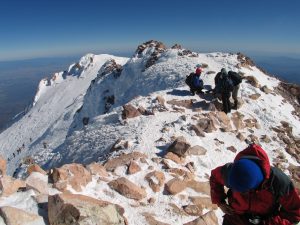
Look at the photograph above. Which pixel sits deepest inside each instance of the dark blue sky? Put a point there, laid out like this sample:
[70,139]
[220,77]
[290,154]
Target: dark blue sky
[39,28]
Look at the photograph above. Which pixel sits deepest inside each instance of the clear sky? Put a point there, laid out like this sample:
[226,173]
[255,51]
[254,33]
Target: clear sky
[40,28]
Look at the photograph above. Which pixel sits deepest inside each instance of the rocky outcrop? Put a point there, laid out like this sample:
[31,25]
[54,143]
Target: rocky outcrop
[127,188]
[73,174]
[110,67]
[129,112]
[70,209]
[244,61]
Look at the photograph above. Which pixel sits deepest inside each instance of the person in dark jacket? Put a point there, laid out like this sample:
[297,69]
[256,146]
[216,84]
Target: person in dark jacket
[223,88]
[236,79]
[196,82]
[258,193]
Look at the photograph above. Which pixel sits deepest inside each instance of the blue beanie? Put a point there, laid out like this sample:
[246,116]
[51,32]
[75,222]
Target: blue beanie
[244,175]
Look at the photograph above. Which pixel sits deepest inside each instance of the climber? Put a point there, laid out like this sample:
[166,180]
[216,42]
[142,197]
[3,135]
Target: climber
[236,79]
[258,193]
[195,82]
[223,88]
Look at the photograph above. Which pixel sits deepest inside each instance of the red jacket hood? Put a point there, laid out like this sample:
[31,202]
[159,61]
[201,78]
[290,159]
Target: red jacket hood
[256,153]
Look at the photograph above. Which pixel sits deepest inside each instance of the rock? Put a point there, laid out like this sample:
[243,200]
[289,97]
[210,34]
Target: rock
[70,209]
[196,150]
[193,210]
[205,202]
[129,112]
[151,201]
[252,80]
[265,138]
[217,104]
[182,103]
[38,182]
[181,173]
[73,174]
[224,120]
[14,216]
[237,120]
[176,46]
[2,166]
[254,96]
[160,100]
[151,220]
[175,186]
[156,180]
[198,130]
[35,168]
[127,188]
[207,219]
[232,148]
[207,125]
[253,138]
[201,187]
[175,158]
[10,185]
[133,168]
[266,89]
[123,159]
[179,146]
[241,137]
[97,169]
[191,167]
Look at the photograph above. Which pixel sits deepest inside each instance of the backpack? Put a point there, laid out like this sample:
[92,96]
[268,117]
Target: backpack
[235,77]
[189,79]
[226,85]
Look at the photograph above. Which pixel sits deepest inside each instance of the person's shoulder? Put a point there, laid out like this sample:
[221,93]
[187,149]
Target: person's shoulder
[280,182]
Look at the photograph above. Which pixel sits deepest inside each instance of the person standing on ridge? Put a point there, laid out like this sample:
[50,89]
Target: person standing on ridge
[224,87]
[236,79]
[258,193]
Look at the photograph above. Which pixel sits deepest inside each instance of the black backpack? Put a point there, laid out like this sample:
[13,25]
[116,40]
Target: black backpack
[226,85]
[189,79]
[235,77]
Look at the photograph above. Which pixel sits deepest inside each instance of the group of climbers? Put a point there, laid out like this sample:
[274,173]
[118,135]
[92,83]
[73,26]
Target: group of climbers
[256,192]
[226,84]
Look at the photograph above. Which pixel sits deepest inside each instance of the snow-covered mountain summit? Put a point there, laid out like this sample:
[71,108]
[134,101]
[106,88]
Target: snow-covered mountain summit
[124,109]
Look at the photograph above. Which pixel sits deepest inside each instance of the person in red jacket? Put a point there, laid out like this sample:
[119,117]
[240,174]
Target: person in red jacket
[257,194]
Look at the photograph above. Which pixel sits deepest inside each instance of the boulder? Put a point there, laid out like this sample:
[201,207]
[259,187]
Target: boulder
[156,180]
[205,202]
[70,209]
[241,137]
[193,210]
[175,158]
[38,182]
[2,166]
[179,146]
[10,185]
[175,186]
[129,112]
[151,219]
[122,160]
[198,130]
[127,188]
[73,174]
[254,96]
[97,169]
[207,125]
[14,216]
[200,187]
[232,148]
[133,168]
[196,150]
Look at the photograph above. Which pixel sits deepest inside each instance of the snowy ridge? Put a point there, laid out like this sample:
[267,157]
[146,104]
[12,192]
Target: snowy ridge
[99,86]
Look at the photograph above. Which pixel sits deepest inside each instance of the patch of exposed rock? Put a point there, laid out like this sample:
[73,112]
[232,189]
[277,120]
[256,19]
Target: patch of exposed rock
[179,146]
[129,111]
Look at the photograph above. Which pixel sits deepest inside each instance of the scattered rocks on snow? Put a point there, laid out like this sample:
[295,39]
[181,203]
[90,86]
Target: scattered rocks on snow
[127,188]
